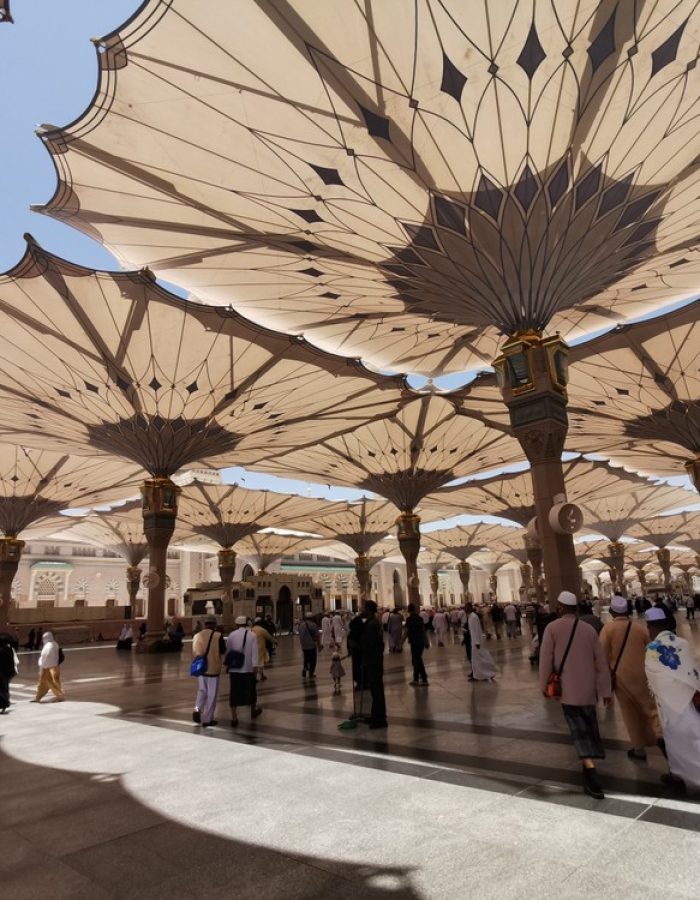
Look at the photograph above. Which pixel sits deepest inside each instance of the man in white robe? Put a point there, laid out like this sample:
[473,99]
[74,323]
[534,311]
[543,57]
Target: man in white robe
[441,625]
[483,666]
[674,680]
[338,630]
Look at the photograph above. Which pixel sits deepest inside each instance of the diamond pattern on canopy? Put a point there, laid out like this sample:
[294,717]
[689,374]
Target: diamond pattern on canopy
[635,393]
[109,362]
[405,456]
[614,516]
[227,513]
[464,540]
[37,484]
[360,525]
[401,182]
[511,495]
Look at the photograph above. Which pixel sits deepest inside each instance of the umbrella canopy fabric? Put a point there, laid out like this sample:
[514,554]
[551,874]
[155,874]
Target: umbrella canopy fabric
[635,393]
[405,456]
[36,485]
[225,514]
[360,525]
[510,495]
[120,531]
[101,362]
[464,540]
[614,516]
[405,183]
[682,528]
[265,547]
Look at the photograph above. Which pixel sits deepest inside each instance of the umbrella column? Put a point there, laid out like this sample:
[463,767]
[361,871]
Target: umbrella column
[534,556]
[408,533]
[664,558]
[464,571]
[616,564]
[532,375]
[434,585]
[10,555]
[159,497]
[362,573]
[641,575]
[526,578]
[227,571]
[133,583]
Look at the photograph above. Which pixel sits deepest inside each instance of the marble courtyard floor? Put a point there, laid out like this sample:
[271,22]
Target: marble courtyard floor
[472,792]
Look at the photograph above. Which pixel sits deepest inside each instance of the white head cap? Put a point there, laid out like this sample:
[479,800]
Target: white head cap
[618,604]
[241,620]
[655,614]
[566,598]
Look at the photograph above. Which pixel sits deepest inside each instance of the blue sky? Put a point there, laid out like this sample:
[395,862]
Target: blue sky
[49,72]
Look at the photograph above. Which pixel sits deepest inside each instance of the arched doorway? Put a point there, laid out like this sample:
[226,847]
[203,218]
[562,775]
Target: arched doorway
[285,609]
[247,572]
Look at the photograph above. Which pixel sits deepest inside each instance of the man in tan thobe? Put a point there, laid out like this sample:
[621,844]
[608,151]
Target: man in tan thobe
[631,687]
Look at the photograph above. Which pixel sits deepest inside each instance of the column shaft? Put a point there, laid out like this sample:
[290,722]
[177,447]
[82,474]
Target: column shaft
[10,555]
[408,533]
[159,515]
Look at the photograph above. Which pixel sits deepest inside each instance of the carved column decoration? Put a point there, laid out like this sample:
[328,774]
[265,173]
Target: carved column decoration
[434,587]
[664,558]
[133,583]
[159,497]
[464,571]
[532,374]
[408,533]
[362,573]
[534,556]
[10,555]
[227,571]
[616,562]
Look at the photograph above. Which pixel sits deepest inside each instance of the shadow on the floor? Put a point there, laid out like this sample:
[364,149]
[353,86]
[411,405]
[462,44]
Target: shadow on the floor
[77,835]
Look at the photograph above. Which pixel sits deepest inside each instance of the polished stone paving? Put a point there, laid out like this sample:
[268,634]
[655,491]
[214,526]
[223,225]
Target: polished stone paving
[472,792]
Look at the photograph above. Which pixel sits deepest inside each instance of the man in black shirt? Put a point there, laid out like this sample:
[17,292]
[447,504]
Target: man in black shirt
[372,661]
[414,633]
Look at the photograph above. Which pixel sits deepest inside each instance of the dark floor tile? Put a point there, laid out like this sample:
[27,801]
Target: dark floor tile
[674,818]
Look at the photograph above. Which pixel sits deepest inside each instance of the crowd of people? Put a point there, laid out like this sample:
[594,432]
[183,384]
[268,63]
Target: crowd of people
[635,658]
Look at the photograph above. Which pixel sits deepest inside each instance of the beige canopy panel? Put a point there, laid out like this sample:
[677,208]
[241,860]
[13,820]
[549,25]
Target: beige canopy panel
[511,495]
[490,561]
[401,181]
[265,548]
[120,530]
[635,393]
[614,516]
[464,540]
[682,528]
[404,456]
[103,362]
[5,15]
[360,525]
[35,484]
[589,550]
[227,513]
[435,560]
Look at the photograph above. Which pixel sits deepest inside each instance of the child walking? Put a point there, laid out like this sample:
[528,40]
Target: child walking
[337,671]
